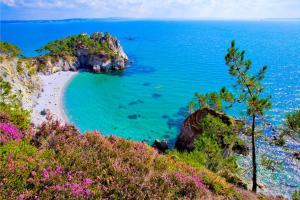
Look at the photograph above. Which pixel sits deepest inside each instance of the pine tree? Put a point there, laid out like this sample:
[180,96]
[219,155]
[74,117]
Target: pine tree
[249,90]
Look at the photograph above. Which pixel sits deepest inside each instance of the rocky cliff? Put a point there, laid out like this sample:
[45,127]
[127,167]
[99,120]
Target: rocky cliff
[98,53]
[192,129]
[21,76]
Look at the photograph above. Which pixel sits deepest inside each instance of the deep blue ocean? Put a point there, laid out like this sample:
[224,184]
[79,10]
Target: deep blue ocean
[169,62]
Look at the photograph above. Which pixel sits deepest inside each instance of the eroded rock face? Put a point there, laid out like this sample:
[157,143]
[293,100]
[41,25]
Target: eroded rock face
[190,130]
[51,64]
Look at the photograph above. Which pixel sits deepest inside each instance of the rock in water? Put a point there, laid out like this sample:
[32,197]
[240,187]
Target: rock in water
[190,130]
[161,146]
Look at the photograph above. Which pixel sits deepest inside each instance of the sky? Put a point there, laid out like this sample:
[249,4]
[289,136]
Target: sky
[149,9]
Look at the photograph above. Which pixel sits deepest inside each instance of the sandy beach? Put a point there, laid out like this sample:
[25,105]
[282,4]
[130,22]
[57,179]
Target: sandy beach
[50,98]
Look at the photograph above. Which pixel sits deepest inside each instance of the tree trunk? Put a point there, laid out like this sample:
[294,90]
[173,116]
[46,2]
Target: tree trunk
[254,179]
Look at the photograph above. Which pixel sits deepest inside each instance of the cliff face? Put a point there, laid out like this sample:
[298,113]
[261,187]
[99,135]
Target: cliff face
[97,53]
[22,77]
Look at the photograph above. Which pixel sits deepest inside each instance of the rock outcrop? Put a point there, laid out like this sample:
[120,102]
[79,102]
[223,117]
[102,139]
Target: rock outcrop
[191,129]
[97,53]
[21,76]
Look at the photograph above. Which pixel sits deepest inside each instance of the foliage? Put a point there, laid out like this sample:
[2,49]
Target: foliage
[56,161]
[249,91]
[62,163]
[213,149]
[296,195]
[212,100]
[9,132]
[292,126]
[68,45]
[10,104]
[9,49]
[248,86]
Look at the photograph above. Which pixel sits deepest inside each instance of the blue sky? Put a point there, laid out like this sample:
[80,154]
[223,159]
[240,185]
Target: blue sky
[158,9]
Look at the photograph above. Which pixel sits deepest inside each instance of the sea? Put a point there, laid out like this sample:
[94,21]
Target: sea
[169,61]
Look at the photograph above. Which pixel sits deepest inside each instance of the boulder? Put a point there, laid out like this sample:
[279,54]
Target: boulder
[45,112]
[161,146]
[190,130]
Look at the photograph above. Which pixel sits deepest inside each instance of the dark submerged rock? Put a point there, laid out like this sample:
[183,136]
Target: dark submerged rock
[134,116]
[146,84]
[156,95]
[165,117]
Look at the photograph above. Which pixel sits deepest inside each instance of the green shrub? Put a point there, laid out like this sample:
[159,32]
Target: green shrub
[208,149]
[9,49]
[68,45]
[10,104]
[296,195]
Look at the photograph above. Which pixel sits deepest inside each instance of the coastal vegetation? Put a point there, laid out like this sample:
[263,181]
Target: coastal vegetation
[9,49]
[69,45]
[250,90]
[10,107]
[56,161]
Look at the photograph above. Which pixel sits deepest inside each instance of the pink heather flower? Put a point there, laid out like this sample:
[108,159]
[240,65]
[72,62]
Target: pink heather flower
[199,183]
[70,177]
[87,193]
[58,170]
[33,173]
[87,181]
[9,131]
[76,189]
[45,174]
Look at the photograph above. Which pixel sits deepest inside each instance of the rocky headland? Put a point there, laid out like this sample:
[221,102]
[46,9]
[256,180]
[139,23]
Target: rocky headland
[36,80]
[98,53]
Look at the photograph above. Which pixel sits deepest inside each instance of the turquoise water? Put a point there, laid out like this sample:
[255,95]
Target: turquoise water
[170,61]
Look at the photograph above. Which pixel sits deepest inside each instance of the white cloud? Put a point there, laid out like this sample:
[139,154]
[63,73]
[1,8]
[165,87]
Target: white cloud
[241,9]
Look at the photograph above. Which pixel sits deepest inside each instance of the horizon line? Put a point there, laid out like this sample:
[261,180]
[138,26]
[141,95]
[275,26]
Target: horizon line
[156,19]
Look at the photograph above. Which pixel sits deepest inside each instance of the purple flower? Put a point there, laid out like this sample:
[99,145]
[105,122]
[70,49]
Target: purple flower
[45,174]
[9,131]
[199,183]
[87,181]
[58,170]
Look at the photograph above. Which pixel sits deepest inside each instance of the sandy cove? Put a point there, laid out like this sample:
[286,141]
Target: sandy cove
[50,98]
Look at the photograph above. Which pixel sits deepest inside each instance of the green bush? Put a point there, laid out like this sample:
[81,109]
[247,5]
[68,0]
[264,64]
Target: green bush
[10,104]
[68,45]
[208,149]
[9,49]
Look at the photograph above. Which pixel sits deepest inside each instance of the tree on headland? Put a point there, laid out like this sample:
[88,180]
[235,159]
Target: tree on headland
[249,90]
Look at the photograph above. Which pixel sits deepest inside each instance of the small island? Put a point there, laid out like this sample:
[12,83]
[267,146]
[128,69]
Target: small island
[98,53]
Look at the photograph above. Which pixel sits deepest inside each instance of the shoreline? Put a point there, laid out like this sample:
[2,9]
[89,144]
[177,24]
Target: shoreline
[50,99]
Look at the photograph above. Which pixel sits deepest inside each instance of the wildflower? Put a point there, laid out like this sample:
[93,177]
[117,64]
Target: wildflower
[45,174]
[87,181]
[9,131]
[58,170]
